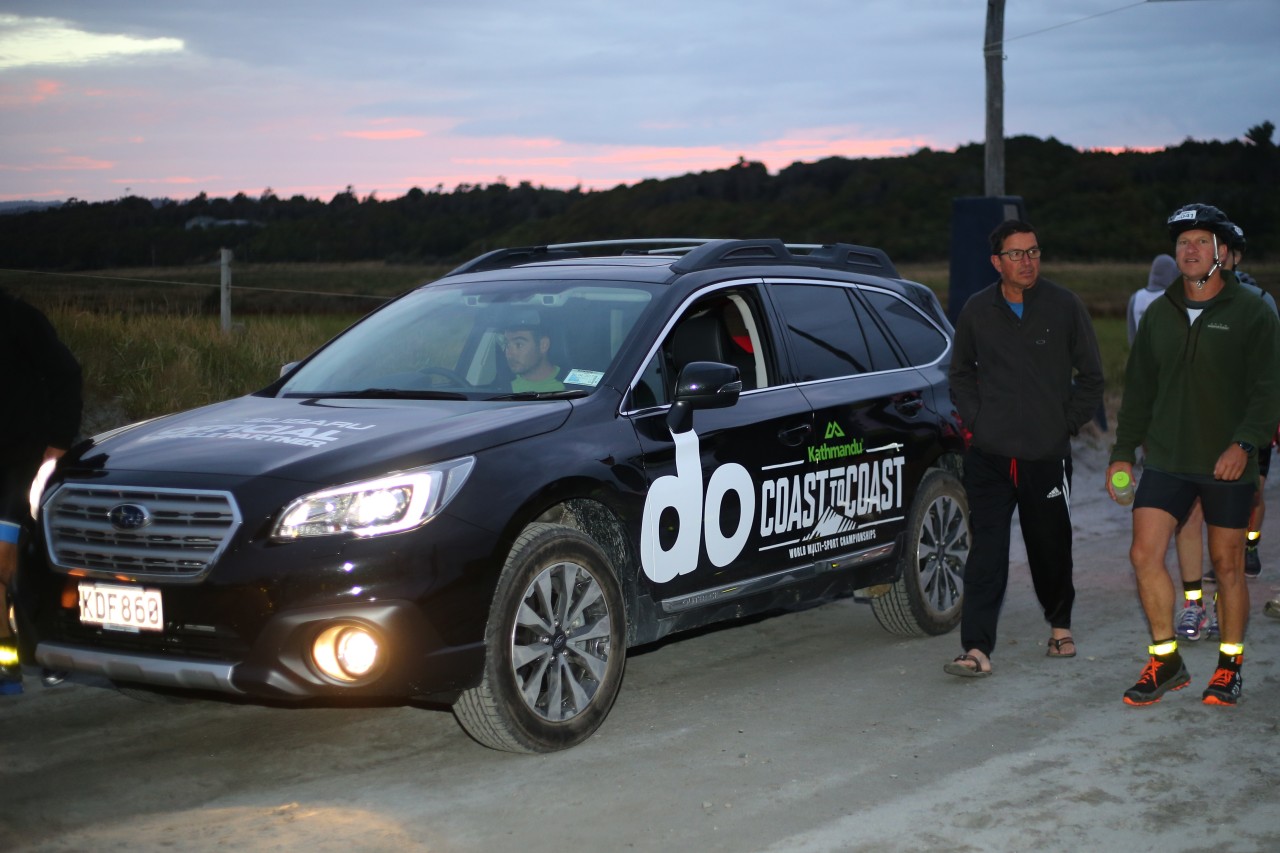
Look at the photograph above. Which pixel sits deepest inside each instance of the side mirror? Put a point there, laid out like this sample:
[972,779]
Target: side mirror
[288,367]
[703,385]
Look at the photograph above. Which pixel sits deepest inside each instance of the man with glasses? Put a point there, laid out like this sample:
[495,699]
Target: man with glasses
[1026,374]
[1202,394]
[526,344]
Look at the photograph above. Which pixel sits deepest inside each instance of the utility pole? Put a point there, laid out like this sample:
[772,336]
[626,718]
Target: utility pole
[993,53]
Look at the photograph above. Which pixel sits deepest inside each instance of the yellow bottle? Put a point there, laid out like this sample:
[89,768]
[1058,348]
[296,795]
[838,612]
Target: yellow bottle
[1122,483]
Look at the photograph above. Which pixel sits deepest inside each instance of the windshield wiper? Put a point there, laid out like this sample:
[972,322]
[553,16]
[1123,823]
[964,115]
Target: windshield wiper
[567,394]
[383,394]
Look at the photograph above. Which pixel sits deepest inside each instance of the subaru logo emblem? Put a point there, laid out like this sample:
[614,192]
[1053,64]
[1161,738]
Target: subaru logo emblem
[129,517]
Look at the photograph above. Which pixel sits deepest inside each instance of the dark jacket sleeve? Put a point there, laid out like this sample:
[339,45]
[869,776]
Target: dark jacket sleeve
[963,372]
[1086,360]
[56,374]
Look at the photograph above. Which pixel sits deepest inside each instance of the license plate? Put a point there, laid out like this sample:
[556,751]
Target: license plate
[121,608]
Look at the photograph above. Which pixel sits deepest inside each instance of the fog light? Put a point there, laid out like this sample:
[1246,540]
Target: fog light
[346,653]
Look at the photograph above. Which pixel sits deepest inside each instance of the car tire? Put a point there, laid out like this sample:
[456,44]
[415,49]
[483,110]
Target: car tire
[555,646]
[927,597]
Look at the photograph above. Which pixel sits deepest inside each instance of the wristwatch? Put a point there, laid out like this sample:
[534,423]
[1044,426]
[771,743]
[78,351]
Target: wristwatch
[1246,447]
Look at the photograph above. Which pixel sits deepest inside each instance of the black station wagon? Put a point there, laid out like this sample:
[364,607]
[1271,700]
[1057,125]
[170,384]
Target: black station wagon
[716,429]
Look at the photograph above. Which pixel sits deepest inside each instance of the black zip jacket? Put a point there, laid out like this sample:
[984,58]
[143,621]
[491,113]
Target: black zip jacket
[41,385]
[1025,385]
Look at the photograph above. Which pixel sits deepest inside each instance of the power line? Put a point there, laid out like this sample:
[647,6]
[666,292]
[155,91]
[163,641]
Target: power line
[998,44]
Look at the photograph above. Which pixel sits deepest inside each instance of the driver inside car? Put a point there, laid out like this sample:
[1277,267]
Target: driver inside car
[526,344]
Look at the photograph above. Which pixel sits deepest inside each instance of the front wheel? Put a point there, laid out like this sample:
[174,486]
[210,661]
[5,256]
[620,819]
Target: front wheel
[555,646]
[929,592]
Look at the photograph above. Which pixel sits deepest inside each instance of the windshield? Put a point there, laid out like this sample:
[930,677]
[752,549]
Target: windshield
[479,340]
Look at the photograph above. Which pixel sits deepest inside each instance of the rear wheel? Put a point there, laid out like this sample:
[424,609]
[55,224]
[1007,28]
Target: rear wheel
[929,592]
[555,646]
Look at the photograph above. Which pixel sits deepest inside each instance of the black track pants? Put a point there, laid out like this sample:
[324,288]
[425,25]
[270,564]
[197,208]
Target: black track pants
[1041,492]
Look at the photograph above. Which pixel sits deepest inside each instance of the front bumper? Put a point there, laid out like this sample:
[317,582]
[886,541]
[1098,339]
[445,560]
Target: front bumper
[279,666]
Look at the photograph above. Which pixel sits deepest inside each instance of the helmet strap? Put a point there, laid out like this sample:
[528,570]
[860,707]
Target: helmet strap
[1217,265]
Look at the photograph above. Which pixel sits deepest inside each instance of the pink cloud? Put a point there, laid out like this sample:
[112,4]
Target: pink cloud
[65,163]
[384,135]
[174,180]
[36,92]
[1122,149]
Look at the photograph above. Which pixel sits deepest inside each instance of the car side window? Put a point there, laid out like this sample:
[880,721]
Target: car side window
[828,337]
[921,341]
[725,327]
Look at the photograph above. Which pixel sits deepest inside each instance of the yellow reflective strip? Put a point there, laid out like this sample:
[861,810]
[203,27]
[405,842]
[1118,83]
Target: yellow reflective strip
[8,656]
[1165,648]
[1254,535]
[1231,649]
[1193,595]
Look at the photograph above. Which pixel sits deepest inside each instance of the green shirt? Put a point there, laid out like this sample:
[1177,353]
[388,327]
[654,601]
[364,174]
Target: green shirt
[521,385]
[1192,389]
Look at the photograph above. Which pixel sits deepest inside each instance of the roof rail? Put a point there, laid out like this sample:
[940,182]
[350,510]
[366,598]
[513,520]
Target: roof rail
[699,253]
[503,258]
[664,244]
[839,256]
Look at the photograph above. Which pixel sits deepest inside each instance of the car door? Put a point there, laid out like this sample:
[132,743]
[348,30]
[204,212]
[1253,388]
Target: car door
[711,519]
[872,435]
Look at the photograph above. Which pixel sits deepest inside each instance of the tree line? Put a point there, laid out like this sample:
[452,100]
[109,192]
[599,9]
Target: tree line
[1088,205]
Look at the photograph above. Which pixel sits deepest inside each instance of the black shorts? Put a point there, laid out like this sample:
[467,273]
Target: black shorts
[1225,504]
[1264,460]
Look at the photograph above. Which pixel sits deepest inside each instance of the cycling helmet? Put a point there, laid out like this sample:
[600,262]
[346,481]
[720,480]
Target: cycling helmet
[1236,241]
[1204,216]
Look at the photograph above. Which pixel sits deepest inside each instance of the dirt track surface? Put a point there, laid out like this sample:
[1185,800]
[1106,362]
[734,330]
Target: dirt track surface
[811,731]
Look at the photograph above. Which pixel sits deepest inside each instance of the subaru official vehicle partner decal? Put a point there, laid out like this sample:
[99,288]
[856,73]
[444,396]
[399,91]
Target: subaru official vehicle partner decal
[486,491]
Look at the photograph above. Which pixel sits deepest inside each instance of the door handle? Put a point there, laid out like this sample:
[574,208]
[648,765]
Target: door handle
[908,404]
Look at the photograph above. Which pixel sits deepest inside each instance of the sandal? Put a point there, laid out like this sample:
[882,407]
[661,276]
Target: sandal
[962,669]
[1055,648]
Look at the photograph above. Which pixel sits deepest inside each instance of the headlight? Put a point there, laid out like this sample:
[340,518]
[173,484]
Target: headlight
[399,501]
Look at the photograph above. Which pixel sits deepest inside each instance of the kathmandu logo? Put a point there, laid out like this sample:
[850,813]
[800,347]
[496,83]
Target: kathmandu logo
[824,452]
[1221,327]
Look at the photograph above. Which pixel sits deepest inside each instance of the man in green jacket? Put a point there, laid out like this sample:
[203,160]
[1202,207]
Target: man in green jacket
[1202,393]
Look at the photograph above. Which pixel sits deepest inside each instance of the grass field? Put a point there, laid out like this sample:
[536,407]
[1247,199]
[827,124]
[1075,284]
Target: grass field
[150,340]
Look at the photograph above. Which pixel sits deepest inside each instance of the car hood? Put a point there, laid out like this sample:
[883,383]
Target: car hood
[323,440]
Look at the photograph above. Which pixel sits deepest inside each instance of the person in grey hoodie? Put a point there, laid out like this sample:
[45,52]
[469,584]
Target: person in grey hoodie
[1164,269]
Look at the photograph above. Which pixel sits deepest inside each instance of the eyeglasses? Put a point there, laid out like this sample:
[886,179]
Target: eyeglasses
[1015,255]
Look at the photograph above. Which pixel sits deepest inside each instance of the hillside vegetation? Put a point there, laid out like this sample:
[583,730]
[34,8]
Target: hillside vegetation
[1089,206]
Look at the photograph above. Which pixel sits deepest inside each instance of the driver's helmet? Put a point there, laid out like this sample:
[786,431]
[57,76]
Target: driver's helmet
[1201,216]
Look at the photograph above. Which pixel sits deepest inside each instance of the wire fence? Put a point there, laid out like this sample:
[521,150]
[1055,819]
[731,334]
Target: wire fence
[245,288]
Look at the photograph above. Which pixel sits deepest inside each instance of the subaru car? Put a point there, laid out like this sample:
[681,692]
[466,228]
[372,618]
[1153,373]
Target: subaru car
[710,429]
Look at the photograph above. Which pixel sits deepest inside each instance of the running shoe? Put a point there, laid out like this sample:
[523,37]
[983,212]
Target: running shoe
[1224,688]
[1252,565]
[1209,576]
[53,677]
[1272,608]
[1158,678]
[1211,627]
[1191,621]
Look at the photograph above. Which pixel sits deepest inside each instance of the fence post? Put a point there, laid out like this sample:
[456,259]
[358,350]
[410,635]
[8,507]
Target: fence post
[225,257]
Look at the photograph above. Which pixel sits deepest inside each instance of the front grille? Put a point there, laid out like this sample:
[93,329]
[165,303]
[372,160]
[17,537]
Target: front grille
[186,531]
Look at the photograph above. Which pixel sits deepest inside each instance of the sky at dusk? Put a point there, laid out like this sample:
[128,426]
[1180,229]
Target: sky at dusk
[169,99]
